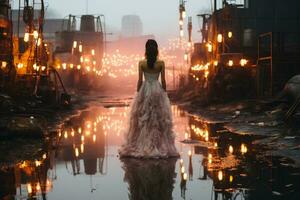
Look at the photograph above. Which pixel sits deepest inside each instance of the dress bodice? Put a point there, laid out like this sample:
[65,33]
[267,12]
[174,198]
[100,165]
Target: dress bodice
[151,76]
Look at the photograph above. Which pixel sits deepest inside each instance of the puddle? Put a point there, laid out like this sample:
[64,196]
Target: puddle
[81,162]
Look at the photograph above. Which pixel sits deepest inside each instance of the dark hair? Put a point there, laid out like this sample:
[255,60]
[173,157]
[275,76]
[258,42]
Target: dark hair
[151,52]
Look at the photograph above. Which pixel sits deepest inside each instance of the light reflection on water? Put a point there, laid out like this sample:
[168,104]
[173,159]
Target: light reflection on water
[82,163]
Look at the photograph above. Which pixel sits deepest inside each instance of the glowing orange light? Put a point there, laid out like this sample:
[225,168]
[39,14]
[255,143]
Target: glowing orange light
[29,188]
[76,152]
[243,62]
[220,175]
[75,44]
[26,37]
[220,38]
[230,149]
[185,176]
[35,34]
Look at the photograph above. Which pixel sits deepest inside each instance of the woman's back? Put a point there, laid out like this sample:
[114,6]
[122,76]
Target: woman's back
[157,68]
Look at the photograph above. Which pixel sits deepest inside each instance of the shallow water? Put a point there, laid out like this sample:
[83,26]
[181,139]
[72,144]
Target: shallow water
[81,162]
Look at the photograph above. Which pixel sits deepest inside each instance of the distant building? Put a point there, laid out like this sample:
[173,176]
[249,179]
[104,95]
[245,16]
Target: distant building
[132,26]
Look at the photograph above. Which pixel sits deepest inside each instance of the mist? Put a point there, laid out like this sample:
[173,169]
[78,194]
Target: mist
[159,17]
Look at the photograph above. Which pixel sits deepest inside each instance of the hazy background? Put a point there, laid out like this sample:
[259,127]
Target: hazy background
[159,17]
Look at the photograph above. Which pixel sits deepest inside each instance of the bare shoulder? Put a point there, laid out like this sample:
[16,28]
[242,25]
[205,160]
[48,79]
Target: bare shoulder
[142,64]
[161,63]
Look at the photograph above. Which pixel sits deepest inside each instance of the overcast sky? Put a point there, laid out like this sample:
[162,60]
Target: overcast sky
[159,17]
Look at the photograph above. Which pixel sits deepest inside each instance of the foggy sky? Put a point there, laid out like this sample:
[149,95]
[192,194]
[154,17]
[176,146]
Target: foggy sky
[159,17]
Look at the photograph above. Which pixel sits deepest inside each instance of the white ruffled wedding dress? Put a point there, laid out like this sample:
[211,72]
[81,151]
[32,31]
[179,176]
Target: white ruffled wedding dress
[150,132]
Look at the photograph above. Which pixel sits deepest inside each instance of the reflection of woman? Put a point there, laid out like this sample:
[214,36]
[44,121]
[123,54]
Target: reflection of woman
[150,132]
[149,179]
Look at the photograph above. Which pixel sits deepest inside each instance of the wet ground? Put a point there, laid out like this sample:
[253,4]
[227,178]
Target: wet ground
[80,161]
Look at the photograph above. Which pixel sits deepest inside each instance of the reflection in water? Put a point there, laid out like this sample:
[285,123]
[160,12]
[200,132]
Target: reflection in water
[83,139]
[149,179]
[238,168]
[215,164]
[30,179]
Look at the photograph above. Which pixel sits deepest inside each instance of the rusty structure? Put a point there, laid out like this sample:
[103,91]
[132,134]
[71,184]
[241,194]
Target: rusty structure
[79,52]
[27,61]
[248,48]
[6,64]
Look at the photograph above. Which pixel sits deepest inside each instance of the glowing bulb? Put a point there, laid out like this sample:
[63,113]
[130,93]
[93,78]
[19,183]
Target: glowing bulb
[186,136]
[183,14]
[64,65]
[29,188]
[216,63]
[3,64]
[243,62]
[230,149]
[185,176]
[181,161]
[230,63]
[82,148]
[76,152]
[220,38]
[93,52]
[186,56]
[20,65]
[88,68]
[66,135]
[38,187]
[244,149]
[209,47]
[26,37]
[37,163]
[220,175]
[75,44]
[39,42]
[87,133]
[230,34]
[80,48]
[182,169]
[35,34]
[78,67]
[180,22]
[181,33]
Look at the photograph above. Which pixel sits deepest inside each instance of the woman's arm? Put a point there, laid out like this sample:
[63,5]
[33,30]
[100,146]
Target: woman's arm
[163,77]
[140,81]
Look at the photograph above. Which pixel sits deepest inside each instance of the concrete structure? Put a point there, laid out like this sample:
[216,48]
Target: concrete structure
[132,26]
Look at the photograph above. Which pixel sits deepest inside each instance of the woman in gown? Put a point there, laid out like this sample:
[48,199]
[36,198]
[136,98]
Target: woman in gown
[150,132]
